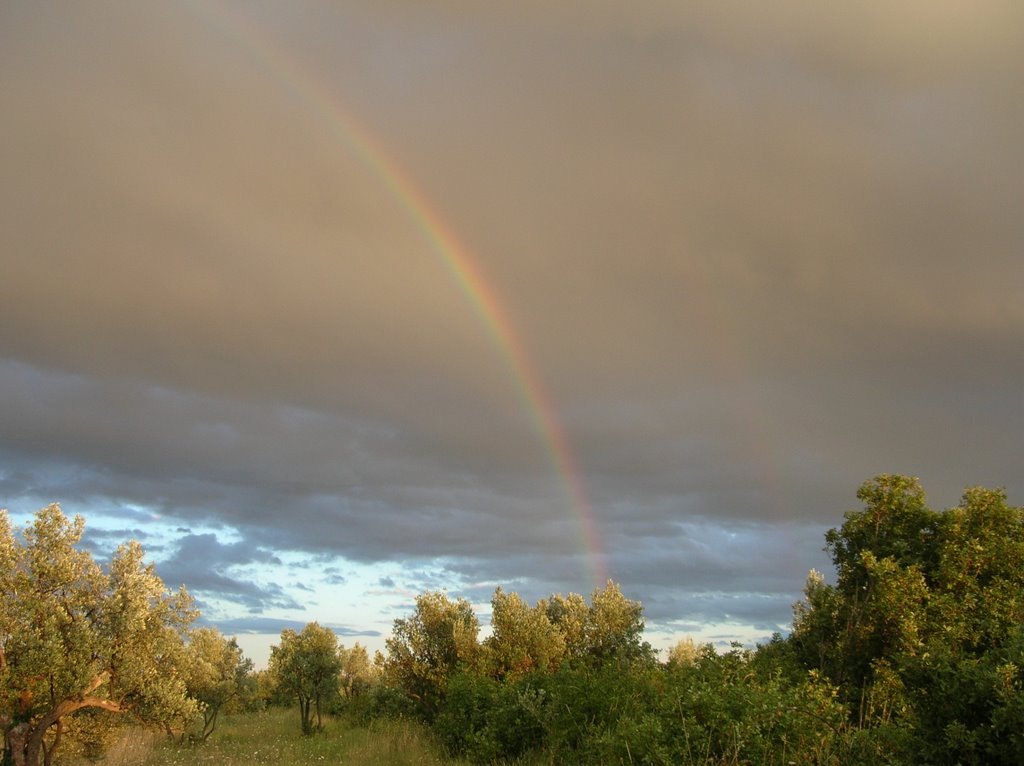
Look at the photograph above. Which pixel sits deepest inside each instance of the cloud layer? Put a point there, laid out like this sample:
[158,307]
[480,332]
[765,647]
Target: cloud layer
[756,255]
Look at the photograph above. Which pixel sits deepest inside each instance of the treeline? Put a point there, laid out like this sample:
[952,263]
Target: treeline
[913,656]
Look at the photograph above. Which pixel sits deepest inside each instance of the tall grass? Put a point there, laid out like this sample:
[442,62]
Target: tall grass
[273,737]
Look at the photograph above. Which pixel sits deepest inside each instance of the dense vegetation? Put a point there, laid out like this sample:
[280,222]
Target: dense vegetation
[912,656]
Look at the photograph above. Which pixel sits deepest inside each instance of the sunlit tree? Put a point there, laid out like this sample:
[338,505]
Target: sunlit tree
[358,671]
[616,626]
[74,638]
[571,616]
[216,673]
[684,652]
[522,638]
[611,627]
[426,648]
[924,624]
[308,667]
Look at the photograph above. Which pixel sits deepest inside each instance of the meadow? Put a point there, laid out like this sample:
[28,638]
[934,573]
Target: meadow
[273,737]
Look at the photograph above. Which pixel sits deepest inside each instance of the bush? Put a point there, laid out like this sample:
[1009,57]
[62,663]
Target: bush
[380,701]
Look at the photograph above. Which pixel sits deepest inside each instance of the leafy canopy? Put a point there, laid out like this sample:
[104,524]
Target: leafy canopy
[75,638]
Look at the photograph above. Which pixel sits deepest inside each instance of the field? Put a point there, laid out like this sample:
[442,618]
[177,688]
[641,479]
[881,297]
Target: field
[273,737]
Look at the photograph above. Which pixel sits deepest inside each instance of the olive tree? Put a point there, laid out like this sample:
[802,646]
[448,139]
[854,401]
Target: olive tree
[610,628]
[426,648]
[358,671]
[217,673]
[74,637]
[522,638]
[308,666]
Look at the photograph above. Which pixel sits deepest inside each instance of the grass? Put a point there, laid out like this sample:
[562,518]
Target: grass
[273,737]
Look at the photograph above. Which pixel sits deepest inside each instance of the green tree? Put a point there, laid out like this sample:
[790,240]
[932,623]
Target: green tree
[965,681]
[977,599]
[522,638]
[894,523]
[885,557]
[308,666]
[610,628]
[425,649]
[616,626]
[571,616]
[74,638]
[358,672]
[217,673]
[923,628]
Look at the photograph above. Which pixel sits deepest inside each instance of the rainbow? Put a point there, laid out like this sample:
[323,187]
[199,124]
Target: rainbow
[464,269]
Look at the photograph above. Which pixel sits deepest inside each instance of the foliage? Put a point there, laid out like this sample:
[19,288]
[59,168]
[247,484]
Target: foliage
[358,672]
[914,655]
[307,665]
[922,630]
[610,628]
[684,653]
[716,709]
[425,649]
[522,638]
[485,719]
[74,638]
[615,627]
[217,674]
[381,701]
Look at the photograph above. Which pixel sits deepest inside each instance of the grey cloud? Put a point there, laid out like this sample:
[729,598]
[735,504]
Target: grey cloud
[210,568]
[754,254]
[102,542]
[766,611]
[333,576]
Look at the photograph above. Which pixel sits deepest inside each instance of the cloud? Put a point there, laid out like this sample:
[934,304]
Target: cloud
[753,255]
[212,569]
[270,625]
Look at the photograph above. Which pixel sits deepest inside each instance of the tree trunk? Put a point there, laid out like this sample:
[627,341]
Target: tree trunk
[31,739]
[307,725]
[49,751]
[209,724]
[16,739]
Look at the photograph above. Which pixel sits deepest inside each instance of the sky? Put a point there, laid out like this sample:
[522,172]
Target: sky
[332,303]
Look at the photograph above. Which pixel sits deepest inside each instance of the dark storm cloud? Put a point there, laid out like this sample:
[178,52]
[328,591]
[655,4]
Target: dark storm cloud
[757,253]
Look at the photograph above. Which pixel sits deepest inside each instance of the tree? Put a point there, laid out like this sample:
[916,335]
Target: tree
[571,616]
[684,653]
[425,649]
[216,674]
[885,556]
[894,523]
[611,628]
[616,626]
[966,682]
[978,583]
[358,672]
[924,624]
[75,638]
[307,665]
[522,638]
